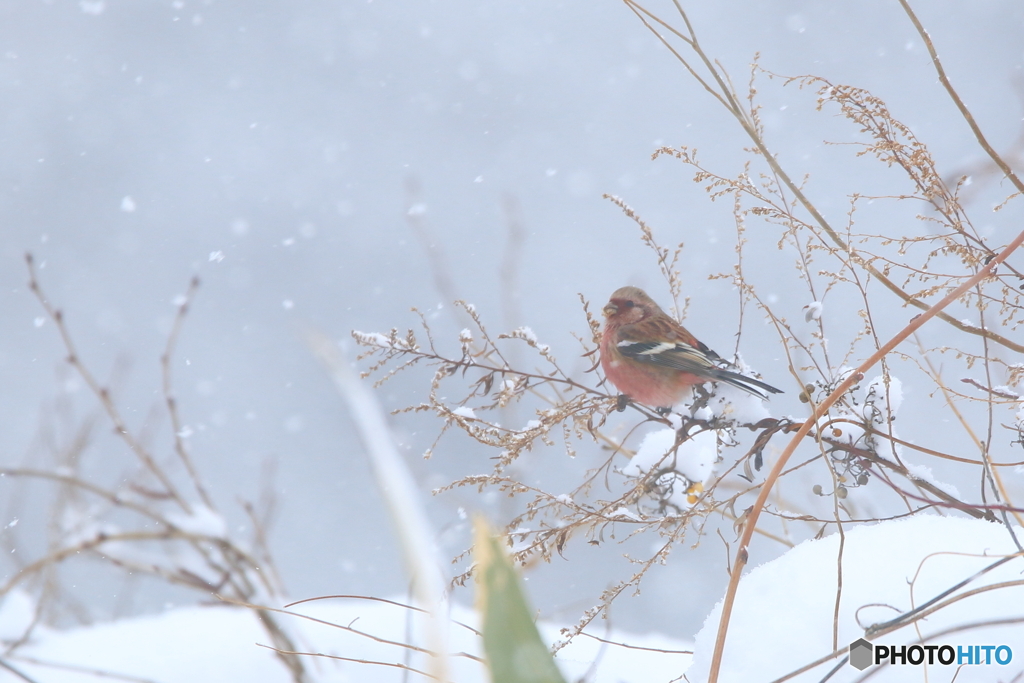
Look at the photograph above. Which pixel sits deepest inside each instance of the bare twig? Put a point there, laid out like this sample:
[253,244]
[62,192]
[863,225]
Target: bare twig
[742,553]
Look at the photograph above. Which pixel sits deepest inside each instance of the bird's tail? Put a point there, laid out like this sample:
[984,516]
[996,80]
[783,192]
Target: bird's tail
[748,384]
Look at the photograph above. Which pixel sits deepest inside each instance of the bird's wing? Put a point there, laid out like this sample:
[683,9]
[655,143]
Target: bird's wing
[696,360]
[675,355]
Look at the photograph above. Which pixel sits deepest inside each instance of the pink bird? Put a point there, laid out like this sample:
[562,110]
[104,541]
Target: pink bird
[654,360]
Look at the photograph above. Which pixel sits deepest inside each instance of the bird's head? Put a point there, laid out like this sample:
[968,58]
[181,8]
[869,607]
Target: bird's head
[629,305]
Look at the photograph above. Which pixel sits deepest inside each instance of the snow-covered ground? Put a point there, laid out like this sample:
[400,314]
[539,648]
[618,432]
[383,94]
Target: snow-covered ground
[783,620]
[784,611]
[216,644]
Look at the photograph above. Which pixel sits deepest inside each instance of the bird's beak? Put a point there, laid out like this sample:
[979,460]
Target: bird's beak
[610,309]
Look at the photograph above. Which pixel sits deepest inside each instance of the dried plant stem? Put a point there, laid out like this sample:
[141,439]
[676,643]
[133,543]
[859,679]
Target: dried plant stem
[96,673]
[338,658]
[172,404]
[978,512]
[990,468]
[101,392]
[70,480]
[222,565]
[742,554]
[728,98]
[953,95]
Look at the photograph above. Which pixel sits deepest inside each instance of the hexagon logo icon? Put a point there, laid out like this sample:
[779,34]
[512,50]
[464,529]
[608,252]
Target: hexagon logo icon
[861,654]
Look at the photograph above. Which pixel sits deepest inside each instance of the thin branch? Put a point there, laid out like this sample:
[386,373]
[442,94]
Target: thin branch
[172,404]
[964,111]
[101,392]
[742,554]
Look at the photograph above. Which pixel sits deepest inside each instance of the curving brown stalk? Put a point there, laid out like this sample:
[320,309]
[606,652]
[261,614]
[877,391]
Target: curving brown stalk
[742,554]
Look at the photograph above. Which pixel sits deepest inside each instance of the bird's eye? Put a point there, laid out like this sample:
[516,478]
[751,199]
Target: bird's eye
[630,304]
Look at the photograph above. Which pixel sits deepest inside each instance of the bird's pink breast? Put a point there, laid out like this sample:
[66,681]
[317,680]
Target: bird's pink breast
[652,386]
